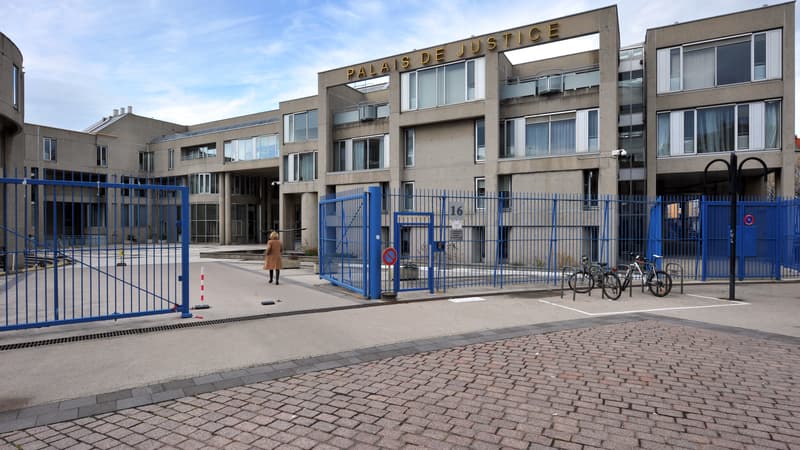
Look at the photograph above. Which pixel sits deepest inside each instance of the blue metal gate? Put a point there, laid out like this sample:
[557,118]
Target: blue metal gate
[413,232]
[758,226]
[349,251]
[78,251]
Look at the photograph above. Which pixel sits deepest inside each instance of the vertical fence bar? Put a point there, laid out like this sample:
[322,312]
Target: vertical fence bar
[553,240]
[185,218]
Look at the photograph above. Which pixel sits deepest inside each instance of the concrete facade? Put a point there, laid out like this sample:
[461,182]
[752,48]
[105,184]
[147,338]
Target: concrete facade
[269,170]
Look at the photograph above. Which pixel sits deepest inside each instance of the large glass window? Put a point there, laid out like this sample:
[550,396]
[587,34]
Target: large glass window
[733,63]
[590,187]
[549,135]
[480,140]
[760,56]
[721,128]
[409,143]
[254,148]
[299,127]
[594,131]
[443,85]
[300,167]
[205,223]
[364,154]
[199,151]
[339,156]
[203,183]
[715,129]
[49,149]
[699,68]
[675,69]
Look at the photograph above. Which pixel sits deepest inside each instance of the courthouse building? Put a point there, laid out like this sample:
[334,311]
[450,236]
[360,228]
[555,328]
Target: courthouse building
[473,115]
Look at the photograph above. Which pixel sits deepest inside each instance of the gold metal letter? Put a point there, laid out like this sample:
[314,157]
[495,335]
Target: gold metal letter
[362,72]
[372,70]
[461,53]
[554,30]
[475,48]
[385,67]
[426,58]
[491,43]
[405,62]
[350,73]
[535,34]
[519,37]
[439,54]
[506,36]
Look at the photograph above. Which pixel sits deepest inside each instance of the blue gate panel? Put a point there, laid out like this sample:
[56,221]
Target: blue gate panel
[78,249]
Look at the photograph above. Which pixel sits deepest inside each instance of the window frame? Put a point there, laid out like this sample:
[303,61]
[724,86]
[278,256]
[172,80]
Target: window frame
[146,162]
[406,198]
[480,150]
[480,198]
[171,159]
[102,155]
[591,199]
[504,201]
[49,149]
[15,90]
[409,147]
[410,81]
[290,122]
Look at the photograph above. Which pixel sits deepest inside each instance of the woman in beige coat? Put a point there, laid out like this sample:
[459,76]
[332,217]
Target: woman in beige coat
[272,257]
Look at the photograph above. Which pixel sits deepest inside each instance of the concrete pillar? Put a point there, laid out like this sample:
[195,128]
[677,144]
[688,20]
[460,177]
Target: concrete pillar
[222,212]
[309,217]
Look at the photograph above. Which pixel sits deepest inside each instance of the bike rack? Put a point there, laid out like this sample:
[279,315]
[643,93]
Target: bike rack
[566,270]
[675,268]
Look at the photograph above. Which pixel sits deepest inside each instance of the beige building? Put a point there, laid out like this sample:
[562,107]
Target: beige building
[469,115]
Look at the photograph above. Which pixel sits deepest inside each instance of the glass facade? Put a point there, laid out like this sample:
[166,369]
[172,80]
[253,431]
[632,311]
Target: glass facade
[251,149]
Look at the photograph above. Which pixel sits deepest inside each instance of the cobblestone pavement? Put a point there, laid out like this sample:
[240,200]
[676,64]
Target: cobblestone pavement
[649,384]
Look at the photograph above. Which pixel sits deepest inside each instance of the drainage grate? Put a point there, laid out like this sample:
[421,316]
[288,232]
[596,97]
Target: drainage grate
[136,331]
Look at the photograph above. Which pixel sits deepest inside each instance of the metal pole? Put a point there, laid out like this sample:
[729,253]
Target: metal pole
[733,181]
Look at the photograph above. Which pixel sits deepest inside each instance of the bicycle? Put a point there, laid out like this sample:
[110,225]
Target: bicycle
[657,281]
[584,280]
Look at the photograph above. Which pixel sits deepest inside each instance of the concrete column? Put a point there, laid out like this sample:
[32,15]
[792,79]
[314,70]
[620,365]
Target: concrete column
[309,217]
[222,212]
[227,201]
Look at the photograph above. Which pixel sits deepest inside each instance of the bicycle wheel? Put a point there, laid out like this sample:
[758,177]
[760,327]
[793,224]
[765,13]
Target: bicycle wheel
[581,282]
[661,284]
[611,286]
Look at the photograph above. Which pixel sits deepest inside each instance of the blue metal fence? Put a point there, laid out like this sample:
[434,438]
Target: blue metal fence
[78,249]
[498,239]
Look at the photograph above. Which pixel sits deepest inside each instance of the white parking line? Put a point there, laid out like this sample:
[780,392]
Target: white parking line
[675,308]
[703,296]
[467,299]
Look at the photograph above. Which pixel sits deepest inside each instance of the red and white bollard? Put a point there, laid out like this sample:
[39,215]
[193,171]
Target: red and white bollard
[202,304]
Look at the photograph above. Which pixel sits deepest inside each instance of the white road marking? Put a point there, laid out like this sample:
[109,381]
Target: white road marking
[703,296]
[675,308]
[467,299]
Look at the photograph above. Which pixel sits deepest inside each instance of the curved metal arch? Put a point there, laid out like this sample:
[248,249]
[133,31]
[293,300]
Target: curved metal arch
[705,171]
[763,164]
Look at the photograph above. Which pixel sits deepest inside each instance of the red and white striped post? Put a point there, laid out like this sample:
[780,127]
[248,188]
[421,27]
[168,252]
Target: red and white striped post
[202,304]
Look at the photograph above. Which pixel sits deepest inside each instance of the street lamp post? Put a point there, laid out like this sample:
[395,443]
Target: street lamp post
[734,180]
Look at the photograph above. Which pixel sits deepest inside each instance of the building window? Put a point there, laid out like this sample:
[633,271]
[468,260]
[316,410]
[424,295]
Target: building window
[203,183]
[720,63]
[408,196]
[49,147]
[590,188]
[409,144]
[199,152]
[447,84]
[146,161]
[300,167]
[171,159]
[15,86]
[102,156]
[480,140]
[480,193]
[361,154]
[133,215]
[385,196]
[204,223]
[551,134]
[504,191]
[747,126]
[251,149]
[300,127]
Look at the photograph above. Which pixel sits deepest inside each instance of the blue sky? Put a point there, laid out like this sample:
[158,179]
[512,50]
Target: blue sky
[191,62]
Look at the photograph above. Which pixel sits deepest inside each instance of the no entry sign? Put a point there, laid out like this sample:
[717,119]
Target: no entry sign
[749,220]
[390,256]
